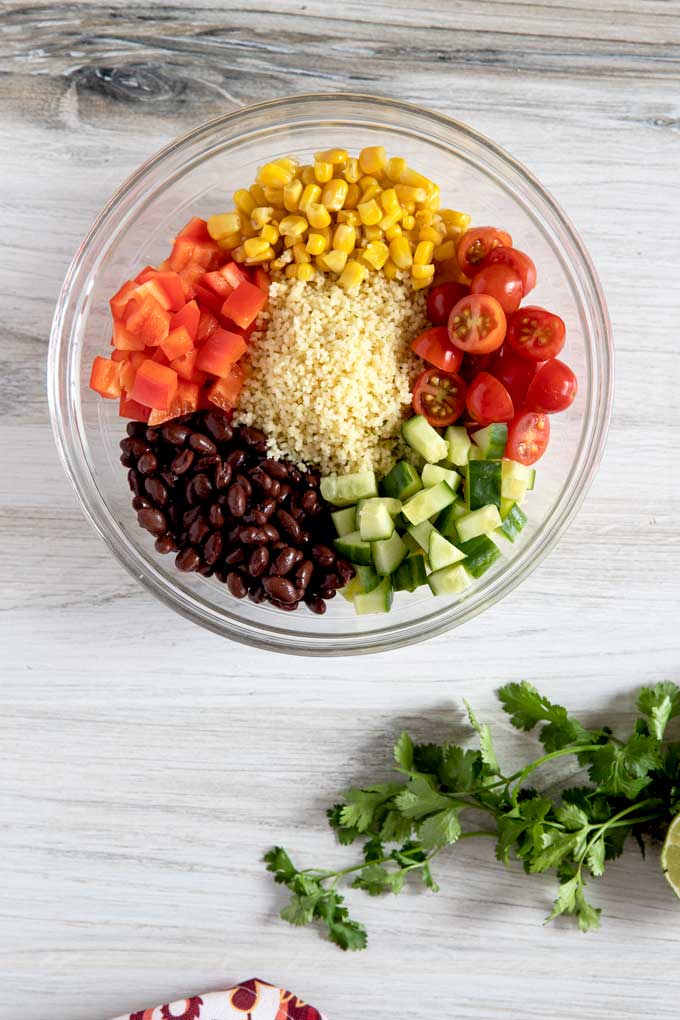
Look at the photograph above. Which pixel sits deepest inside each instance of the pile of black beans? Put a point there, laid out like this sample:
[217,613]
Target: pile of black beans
[208,493]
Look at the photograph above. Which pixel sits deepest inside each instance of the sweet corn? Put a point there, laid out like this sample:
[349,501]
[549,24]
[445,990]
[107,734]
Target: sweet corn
[273,175]
[247,229]
[316,244]
[244,201]
[376,253]
[373,159]
[334,156]
[334,194]
[223,224]
[459,220]
[370,212]
[419,284]
[434,201]
[335,260]
[293,226]
[393,231]
[260,215]
[373,191]
[307,175]
[305,272]
[353,196]
[352,171]
[291,270]
[344,237]
[390,218]
[274,196]
[300,253]
[390,270]
[289,240]
[408,221]
[423,253]
[366,182]
[395,168]
[317,214]
[405,193]
[433,234]
[400,253]
[373,232]
[349,216]
[446,250]
[270,233]
[258,195]
[323,171]
[389,201]
[288,163]
[254,247]
[424,217]
[416,180]
[292,194]
[352,275]
[312,193]
[422,272]
[227,243]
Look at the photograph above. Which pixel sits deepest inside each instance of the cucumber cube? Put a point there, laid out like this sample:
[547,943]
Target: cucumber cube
[428,502]
[449,580]
[442,553]
[402,481]
[388,554]
[478,522]
[375,522]
[458,443]
[343,490]
[446,522]
[433,473]
[483,483]
[410,574]
[379,600]
[491,440]
[514,519]
[344,520]
[367,578]
[480,553]
[353,548]
[425,440]
[421,533]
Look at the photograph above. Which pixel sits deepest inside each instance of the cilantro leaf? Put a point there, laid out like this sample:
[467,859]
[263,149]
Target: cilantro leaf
[427,877]
[346,833]
[362,804]
[556,848]
[278,862]
[403,752]
[440,829]
[595,856]
[588,916]
[572,817]
[660,704]
[420,798]
[427,758]
[566,898]
[624,769]
[485,743]
[460,770]
[395,828]
[526,708]
[342,930]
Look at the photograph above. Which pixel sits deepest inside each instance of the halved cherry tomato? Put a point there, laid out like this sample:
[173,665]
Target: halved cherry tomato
[475,245]
[477,324]
[515,259]
[435,347]
[528,437]
[514,372]
[488,400]
[440,396]
[552,389]
[441,300]
[219,352]
[500,282]
[155,385]
[536,333]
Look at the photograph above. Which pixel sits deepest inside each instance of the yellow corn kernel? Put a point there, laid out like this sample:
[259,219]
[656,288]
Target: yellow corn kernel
[316,244]
[353,196]
[274,196]
[293,226]
[344,237]
[390,270]
[317,214]
[289,163]
[232,241]
[352,275]
[373,159]
[420,284]
[405,193]
[446,250]
[434,201]
[373,191]
[389,201]
[393,231]
[258,195]
[300,253]
[390,218]
[283,260]
[376,253]
[408,222]
[416,180]
[424,217]
[238,254]
[370,212]
[334,156]
[459,220]
[327,234]
[306,272]
[367,182]
[373,233]
[334,194]
[395,168]
[291,270]
[254,247]
[352,171]
[289,240]
[247,229]
[431,234]
[422,272]
[292,194]
[400,253]
[244,201]
[335,260]
[270,233]
[349,216]
[223,224]
[260,215]
[272,175]
[423,253]
[306,175]
[312,193]
[323,171]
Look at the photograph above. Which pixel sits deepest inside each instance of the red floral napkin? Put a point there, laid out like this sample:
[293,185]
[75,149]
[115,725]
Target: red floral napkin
[252,1000]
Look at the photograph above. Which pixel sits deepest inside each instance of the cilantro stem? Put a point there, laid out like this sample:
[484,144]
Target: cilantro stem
[532,766]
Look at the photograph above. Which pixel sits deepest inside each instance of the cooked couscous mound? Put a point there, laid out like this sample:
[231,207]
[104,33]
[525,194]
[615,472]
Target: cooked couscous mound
[329,374]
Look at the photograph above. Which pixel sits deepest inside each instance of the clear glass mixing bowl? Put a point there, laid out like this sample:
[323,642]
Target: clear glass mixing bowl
[196,175]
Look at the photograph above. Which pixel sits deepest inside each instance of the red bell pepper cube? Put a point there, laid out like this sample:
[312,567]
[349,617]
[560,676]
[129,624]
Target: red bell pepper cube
[117,355]
[105,378]
[185,401]
[225,392]
[124,340]
[145,274]
[185,366]
[148,321]
[159,356]
[155,385]
[176,343]
[244,304]
[187,250]
[129,408]
[220,351]
[216,282]
[152,288]
[206,298]
[261,279]
[188,317]
[234,274]
[171,284]
[120,300]
[196,228]
[206,326]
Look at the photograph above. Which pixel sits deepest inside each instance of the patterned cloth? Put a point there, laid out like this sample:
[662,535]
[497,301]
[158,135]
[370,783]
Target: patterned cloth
[252,1000]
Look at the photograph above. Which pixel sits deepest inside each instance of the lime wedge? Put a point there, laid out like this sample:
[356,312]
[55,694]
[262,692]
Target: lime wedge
[670,856]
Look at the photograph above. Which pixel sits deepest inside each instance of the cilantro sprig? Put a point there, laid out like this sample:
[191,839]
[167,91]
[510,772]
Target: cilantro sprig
[634,791]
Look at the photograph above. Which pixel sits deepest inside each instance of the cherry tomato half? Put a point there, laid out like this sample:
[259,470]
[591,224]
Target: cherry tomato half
[476,244]
[528,437]
[514,372]
[500,282]
[535,333]
[477,324]
[435,347]
[440,396]
[441,300]
[517,260]
[488,400]
[552,389]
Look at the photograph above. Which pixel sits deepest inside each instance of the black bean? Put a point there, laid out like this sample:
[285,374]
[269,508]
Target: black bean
[138,447]
[187,559]
[198,530]
[289,524]
[165,544]
[218,427]
[289,608]
[267,507]
[236,500]
[182,461]
[317,605]
[312,479]
[252,536]
[309,501]
[135,428]
[323,556]
[253,437]
[235,557]
[176,433]
[245,485]
[303,574]
[258,562]
[327,593]
[190,516]
[156,491]
[215,516]
[256,594]
[169,478]
[281,589]
[236,584]
[271,532]
[255,517]
[283,493]
[139,503]
[207,462]
[202,486]
[286,560]
[261,479]
[212,549]
[202,443]
[235,459]
[275,468]
[344,569]
[153,521]
[127,460]
[134,482]
[151,435]
[223,476]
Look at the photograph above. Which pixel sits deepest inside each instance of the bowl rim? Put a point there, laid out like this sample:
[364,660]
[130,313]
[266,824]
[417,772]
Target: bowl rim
[411,632]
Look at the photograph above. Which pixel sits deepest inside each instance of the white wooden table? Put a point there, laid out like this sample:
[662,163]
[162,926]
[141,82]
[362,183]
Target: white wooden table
[145,765]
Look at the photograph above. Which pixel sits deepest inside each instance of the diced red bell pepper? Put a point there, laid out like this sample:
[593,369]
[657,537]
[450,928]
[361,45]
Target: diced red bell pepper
[220,351]
[188,250]
[225,392]
[153,288]
[244,304]
[129,408]
[159,356]
[188,317]
[145,274]
[206,326]
[234,274]
[207,298]
[176,343]
[186,368]
[185,401]
[105,378]
[119,302]
[148,321]
[124,340]
[197,228]
[117,355]
[172,285]
[155,385]
[216,282]
[261,279]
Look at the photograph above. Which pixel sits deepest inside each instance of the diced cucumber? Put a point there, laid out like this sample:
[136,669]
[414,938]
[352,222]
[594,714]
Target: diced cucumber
[388,554]
[421,533]
[410,542]
[427,503]
[367,578]
[434,473]
[483,483]
[375,522]
[475,453]
[478,522]
[351,589]
[491,440]
[402,481]
[344,520]
[513,469]
[353,548]
[379,600]
[514,519]
[458,443]
[449,580]
[446,522]
[410,574]
[442,553]
[513,489]
[480,553]
[393,507]
[425,440]
[343,490]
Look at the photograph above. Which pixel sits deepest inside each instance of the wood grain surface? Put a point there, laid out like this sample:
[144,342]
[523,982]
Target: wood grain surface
[145,765]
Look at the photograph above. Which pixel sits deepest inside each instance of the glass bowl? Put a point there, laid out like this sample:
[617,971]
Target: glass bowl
[196,175]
